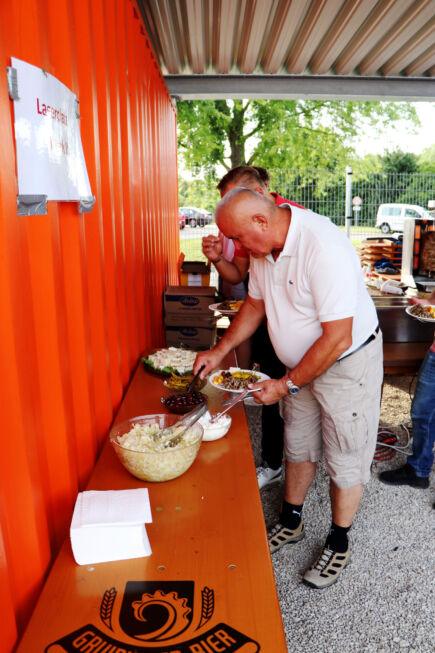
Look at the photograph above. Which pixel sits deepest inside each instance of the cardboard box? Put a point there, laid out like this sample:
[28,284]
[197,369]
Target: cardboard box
[195,273]
[205,321]
[191,337]
[186,306]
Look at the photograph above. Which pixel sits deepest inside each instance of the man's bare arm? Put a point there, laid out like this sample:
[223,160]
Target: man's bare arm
[335,339]
[234,271]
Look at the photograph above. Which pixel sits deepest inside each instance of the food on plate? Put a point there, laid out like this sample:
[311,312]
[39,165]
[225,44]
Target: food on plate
[171,360]
[139,448]
[182,403]
[235,379]
[180,383]
[419,310]
[230,305]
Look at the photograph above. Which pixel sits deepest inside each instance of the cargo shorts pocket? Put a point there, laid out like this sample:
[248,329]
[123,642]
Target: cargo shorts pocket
[345,430]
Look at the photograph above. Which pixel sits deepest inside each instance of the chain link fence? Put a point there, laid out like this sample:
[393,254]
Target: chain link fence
[325,193]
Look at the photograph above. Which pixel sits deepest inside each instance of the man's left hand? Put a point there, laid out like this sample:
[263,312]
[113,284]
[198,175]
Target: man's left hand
[270,391]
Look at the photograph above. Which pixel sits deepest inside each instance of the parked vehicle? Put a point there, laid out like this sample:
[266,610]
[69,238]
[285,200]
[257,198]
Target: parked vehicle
[181,220]
[390,217]
[196,217]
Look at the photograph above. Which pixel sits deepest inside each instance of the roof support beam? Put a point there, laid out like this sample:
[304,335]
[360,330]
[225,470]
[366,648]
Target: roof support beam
[285,87]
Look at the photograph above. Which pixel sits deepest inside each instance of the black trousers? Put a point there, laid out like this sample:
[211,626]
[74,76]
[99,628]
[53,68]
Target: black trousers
[272,437]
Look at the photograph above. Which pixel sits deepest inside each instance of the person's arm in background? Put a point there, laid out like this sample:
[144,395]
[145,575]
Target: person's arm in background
[423,302]
[235,271]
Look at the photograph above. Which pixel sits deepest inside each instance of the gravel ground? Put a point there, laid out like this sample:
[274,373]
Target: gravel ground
[384,600]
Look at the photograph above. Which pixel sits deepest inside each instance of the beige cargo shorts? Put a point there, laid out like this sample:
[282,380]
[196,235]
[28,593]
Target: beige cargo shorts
[337,415]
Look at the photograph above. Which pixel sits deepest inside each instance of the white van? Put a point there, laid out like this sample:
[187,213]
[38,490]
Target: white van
[390,217]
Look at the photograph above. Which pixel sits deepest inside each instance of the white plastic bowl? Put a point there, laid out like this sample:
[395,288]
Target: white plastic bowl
[214,431]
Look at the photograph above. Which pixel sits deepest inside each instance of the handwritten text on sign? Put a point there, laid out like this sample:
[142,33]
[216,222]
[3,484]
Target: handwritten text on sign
[50,157]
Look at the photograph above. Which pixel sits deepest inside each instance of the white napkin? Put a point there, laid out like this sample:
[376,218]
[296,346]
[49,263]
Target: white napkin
[110,525]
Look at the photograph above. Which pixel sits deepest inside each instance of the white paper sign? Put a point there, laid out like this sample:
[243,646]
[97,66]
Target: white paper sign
[50,157]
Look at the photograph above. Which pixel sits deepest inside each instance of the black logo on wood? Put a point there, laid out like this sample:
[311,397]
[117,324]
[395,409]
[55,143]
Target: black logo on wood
[153,616]
[106,607]
[155,611]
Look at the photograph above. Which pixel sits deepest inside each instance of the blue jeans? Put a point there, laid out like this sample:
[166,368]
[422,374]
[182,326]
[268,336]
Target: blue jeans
[423,418]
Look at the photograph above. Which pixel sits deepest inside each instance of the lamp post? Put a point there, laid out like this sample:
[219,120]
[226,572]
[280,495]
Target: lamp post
[348,201]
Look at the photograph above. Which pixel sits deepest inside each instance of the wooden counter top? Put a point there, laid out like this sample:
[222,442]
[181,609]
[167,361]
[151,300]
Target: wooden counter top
[210,553]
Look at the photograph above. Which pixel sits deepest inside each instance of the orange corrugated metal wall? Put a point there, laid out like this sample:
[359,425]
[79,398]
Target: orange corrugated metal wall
[80,295]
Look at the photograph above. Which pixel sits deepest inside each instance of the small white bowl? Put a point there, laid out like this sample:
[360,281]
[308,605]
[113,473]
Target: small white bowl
[215,430]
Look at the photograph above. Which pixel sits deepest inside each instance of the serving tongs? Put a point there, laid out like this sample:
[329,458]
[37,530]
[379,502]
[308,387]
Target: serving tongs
[171,435]
[192,384]
[237,399]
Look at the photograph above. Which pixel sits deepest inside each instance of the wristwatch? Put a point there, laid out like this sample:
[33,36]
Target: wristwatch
[292,388]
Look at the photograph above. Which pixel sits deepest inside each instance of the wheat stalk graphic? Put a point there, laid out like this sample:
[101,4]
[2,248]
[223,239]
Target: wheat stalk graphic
[106,607]
[207,607]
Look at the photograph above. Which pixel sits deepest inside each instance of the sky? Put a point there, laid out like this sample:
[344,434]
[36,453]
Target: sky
[403,139]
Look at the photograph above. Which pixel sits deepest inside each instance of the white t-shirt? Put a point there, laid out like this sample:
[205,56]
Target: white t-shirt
[316,278]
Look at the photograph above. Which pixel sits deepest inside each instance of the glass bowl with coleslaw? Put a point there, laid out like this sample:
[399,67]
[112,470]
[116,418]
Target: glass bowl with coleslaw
[138,447]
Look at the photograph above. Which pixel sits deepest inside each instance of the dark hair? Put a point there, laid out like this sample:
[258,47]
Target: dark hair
[263,174]
[241,174]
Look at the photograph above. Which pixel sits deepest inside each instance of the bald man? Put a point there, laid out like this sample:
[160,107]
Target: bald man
[306,278]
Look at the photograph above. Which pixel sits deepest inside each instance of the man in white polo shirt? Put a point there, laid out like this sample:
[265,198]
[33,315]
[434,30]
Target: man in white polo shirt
[305,276]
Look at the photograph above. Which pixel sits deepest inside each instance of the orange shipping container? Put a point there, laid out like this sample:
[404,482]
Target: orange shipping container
[80,293]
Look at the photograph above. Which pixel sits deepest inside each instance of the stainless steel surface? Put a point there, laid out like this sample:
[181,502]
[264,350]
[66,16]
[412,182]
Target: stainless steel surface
[396,325]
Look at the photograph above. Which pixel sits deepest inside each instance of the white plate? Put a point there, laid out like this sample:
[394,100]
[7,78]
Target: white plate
[261,377]
[408,310]
[222,311]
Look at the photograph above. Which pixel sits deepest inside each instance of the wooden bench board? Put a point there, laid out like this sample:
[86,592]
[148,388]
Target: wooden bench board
[208,527]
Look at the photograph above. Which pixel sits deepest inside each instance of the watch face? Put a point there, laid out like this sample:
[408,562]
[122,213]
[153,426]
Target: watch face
[293,389]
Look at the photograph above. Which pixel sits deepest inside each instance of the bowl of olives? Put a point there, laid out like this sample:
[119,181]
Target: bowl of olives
[184,402]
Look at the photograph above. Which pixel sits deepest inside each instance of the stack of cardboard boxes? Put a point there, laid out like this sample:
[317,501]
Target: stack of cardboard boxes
[188,319]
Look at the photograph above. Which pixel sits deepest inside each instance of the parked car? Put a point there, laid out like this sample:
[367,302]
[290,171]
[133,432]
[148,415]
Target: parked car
[196,217]
[390,217]
[181,220]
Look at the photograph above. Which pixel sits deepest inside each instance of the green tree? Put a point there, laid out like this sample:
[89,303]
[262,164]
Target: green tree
[426,160]
[400,162]
[302,135]
[199,192]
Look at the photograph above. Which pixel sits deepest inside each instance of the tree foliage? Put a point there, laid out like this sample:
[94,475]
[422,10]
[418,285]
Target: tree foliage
[302,135]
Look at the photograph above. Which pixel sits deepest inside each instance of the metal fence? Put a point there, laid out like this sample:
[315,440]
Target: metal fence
[326,194]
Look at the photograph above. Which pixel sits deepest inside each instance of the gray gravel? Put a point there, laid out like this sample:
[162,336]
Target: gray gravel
[384,601]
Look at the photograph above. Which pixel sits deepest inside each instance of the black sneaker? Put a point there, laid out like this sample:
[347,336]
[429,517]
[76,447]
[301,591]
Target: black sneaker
[404,476]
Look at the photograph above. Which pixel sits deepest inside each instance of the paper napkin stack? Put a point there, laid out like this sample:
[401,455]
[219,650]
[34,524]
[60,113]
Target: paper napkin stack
[110,525]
